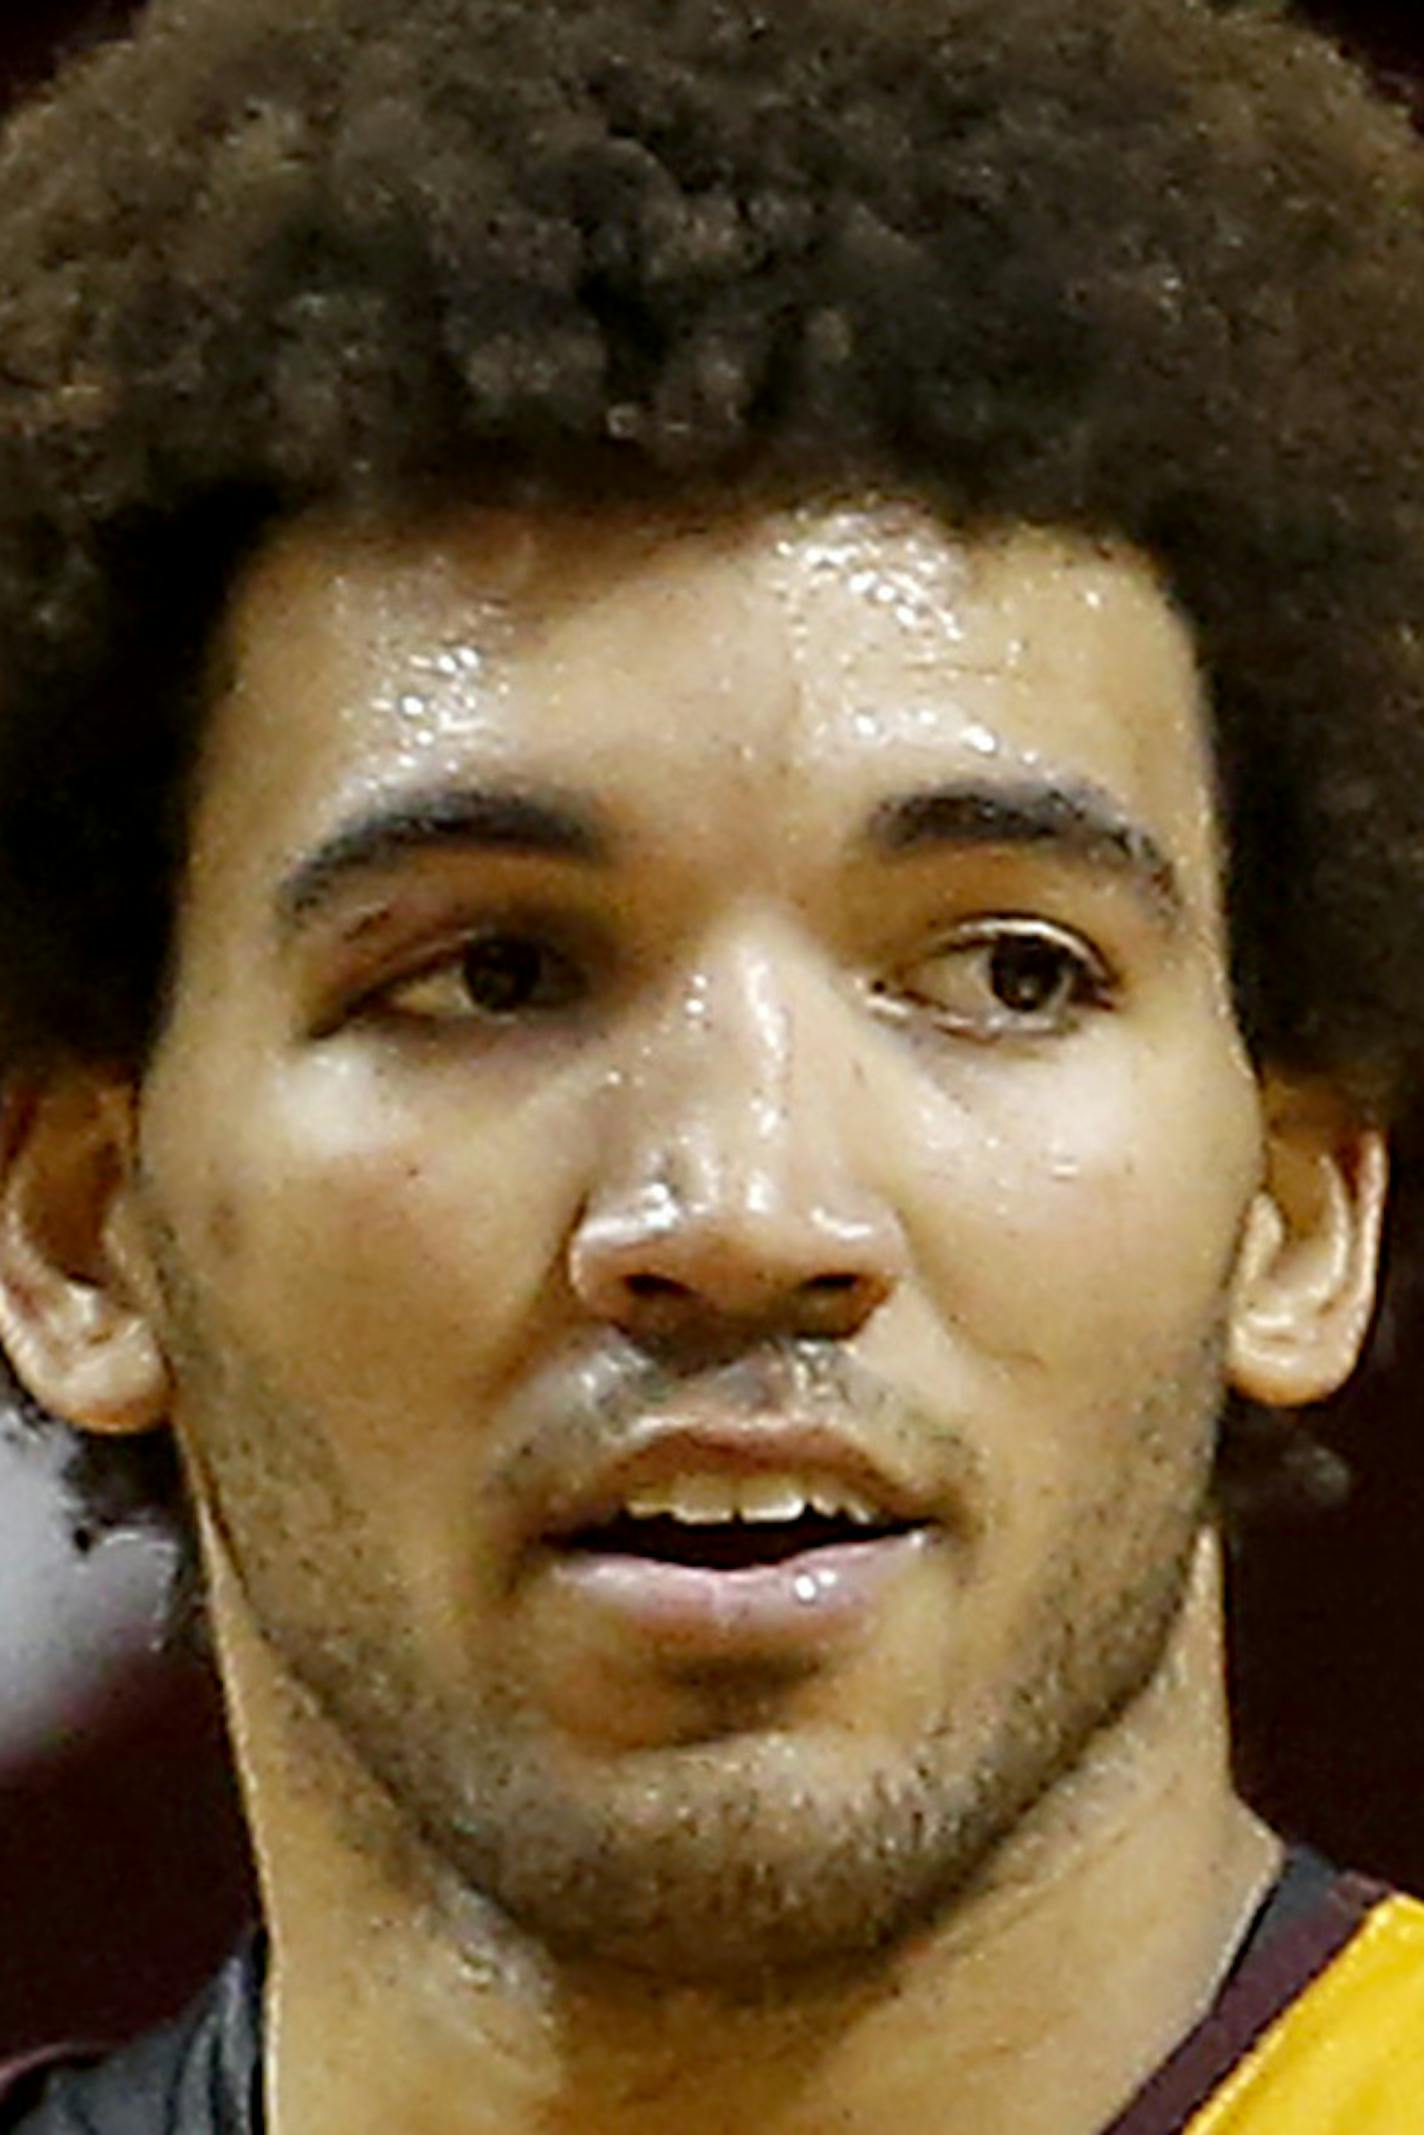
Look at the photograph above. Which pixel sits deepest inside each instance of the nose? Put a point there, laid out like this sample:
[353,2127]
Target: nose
[731,1204]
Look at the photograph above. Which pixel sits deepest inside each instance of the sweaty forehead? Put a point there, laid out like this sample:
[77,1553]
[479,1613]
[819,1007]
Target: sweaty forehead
[833,650]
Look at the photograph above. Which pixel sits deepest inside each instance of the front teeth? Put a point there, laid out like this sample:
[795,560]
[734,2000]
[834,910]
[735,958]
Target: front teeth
[708,1500]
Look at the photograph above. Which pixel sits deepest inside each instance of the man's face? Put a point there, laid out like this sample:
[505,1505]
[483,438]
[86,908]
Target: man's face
[694,1174]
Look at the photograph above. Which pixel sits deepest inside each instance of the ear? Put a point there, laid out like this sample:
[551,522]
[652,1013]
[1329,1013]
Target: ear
[1308,1265]
[74,1319]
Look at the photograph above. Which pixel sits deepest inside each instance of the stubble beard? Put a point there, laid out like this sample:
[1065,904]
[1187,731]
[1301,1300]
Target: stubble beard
[752,1870]
[748,1866]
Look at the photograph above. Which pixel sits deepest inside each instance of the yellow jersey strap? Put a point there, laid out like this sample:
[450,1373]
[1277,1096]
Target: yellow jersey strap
[1347,2057]
[1328,1991]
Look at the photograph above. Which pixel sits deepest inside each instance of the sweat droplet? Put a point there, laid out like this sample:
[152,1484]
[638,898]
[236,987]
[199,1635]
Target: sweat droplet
[980,739]
[804,1587]
[413,706]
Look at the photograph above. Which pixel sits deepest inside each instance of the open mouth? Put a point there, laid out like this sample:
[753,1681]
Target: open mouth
[731,1545]
[724,1559]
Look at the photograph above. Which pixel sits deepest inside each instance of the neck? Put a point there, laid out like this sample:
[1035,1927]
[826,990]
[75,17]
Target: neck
[1140,1870]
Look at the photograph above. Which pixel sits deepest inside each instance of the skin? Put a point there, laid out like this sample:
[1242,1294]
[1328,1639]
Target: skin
[878,1065]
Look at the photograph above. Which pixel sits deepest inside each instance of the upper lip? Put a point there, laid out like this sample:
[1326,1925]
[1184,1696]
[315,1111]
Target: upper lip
[669,1447]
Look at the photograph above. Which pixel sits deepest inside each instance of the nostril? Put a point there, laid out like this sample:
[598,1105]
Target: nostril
[835,1304]
[654,1286]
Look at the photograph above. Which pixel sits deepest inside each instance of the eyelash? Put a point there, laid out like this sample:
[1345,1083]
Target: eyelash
[554,979]
[1087,982]
[560,982]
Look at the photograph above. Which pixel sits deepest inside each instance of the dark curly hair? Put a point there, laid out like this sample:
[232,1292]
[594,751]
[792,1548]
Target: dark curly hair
[1152,270]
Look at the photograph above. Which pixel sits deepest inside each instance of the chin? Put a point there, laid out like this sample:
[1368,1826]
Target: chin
[754,1868]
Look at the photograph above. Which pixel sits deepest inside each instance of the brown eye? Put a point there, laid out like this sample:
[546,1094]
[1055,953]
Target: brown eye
[1032,978]
[494,977]
[509,974]
[1003,978]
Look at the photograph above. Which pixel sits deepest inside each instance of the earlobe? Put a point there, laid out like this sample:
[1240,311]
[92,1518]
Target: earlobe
[74,1318]
[1308,1265]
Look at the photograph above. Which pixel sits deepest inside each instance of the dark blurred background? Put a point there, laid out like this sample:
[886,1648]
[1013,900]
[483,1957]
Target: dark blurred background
[122,1871]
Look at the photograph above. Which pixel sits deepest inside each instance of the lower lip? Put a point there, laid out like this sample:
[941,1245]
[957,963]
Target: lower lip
[797,1605]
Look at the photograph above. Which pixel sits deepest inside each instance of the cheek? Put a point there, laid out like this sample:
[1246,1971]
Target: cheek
[1089,1212]
[339,1223]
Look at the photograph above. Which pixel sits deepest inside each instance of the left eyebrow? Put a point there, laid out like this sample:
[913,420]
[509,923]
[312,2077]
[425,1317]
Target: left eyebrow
[1076,820]
[472,819]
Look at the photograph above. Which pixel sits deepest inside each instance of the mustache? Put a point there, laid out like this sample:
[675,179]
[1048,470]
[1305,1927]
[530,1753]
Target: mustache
[579,1418]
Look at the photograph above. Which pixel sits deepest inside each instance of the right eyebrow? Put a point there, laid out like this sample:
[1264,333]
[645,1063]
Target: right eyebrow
[1076,820]
[479,819]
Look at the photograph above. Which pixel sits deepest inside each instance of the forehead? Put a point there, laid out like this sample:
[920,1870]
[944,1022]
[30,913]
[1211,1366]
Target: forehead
[702,669]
